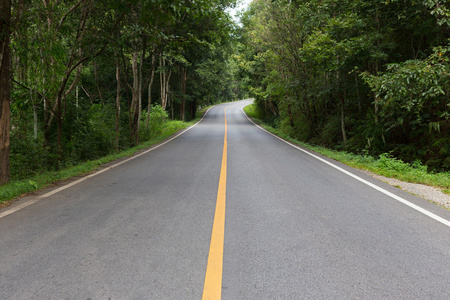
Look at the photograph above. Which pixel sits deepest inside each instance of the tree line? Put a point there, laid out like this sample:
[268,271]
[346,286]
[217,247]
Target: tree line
[370,77]
[80,79]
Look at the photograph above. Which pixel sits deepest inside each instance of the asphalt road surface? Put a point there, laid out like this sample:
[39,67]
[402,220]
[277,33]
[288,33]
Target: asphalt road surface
[287,226]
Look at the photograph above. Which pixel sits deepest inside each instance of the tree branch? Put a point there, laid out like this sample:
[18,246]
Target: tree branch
[63,18]
[26,88]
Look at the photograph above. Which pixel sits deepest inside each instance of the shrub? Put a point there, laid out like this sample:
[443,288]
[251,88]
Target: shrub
[158,116]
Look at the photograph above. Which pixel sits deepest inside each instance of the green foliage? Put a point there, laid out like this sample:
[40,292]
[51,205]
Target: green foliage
[14,189]
[412,86]
[157,120]
[27,157]
[354,75]
[253,112]
[89,135]
[440,9]
[33,183]
[389,163]
[173,126]
[386,164]
[71,97]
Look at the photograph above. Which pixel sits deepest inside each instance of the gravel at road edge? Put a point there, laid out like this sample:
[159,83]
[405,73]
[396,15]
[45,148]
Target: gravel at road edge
[429,193]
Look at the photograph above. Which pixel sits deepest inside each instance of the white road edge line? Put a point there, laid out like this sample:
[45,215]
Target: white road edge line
[32,201]
[400,199]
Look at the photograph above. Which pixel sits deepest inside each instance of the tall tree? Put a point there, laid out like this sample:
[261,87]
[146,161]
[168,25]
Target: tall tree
[62,93]
[60,37]
[306,58]
[5,88]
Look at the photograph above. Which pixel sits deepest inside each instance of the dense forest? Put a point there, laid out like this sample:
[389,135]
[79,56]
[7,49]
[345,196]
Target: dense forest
[83,78]
[368,77]
[80,79]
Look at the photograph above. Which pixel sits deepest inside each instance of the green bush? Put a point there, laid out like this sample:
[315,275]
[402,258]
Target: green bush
[157,119]
[27,155]
[389,163]
[88,134]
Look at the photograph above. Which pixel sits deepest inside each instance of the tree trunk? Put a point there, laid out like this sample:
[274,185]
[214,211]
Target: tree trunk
[291,116]
[35,122]
[60,124]
[164,80]
[141,64]
[161,81]
[117,102]
[34,102]
[358,94]
[97,83]
[183,92]
[171,106]
[152,76]
[344,134]
[5,89]
[46,118]
[134,109]
[194,107]
[166,86]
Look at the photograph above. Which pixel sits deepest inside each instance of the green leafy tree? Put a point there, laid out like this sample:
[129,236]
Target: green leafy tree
[305,60]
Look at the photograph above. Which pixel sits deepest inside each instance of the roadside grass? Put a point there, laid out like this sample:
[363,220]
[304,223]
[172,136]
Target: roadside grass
[17,188]
[386,165]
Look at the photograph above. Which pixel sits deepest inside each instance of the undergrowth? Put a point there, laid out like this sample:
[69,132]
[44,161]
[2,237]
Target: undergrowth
[384,165]
[16,188]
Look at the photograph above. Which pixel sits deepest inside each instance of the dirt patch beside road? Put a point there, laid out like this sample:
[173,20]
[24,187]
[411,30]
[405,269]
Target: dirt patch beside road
[426,192]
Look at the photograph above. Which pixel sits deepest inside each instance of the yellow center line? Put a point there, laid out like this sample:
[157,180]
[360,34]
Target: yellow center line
[212,289]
